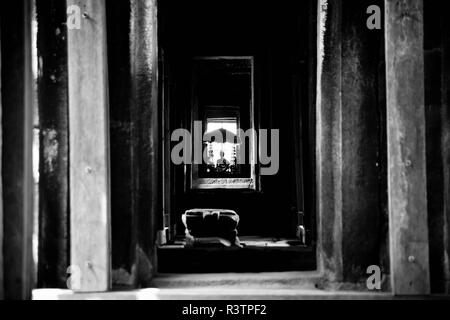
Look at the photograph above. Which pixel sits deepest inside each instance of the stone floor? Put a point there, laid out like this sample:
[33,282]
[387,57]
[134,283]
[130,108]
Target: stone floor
[231,286]
[213,293]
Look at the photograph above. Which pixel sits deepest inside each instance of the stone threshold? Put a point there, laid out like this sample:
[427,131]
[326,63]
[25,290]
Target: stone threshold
[223,286]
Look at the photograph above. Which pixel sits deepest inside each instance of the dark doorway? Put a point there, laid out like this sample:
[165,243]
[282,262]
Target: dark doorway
[281,43]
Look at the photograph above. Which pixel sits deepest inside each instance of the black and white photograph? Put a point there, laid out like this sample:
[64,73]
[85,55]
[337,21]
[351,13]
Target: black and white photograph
[205,151]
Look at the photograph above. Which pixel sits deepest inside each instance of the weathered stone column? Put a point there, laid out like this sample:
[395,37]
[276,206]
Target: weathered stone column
[54,144]
[329,140]
[362,146]
[348,141]
[406,147]
[145,117]
[17,135]
[89,149]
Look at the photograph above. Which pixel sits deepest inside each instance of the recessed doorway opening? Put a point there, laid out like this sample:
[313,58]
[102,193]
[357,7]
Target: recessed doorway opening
[240,66]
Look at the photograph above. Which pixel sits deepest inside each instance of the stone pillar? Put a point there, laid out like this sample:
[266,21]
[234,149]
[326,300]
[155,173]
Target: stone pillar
[329,139]
[408,229]
[54,144]
[362,146]
[145,117]
[348,141]
[90,220]
[17,135]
